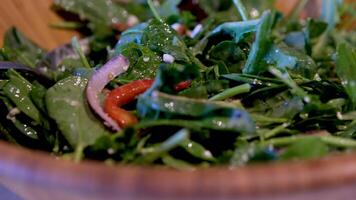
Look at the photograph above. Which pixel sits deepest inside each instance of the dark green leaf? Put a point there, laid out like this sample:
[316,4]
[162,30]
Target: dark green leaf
[20,49]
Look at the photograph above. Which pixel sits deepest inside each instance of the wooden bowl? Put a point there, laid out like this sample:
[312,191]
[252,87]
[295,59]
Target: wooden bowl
[36,175]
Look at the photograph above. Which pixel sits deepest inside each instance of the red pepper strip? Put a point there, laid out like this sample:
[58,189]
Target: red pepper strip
[182,85]
[127,93]
[121,96]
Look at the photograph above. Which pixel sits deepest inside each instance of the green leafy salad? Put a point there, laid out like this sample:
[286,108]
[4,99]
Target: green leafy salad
[184,84]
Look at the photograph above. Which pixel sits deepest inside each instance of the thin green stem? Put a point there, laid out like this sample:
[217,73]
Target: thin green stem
[330,140]
[78,153]
[154,10]
[80,52]
[242,9]
[231,92]
[275,131]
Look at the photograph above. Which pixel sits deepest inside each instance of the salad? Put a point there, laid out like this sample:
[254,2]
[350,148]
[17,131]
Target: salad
[184,84]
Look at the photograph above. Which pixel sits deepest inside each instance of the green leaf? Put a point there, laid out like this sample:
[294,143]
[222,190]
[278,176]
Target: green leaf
[133,34]
[313,30]
[176,163]
[18,90]
[197,150]
[24,127]
[255,63]
[346,68]
[169,8]
[153,152]
[165,40]
[150,106]
[305,149]
[101,14]
[286,58]
[20,49]
[227,51]
[143,62]
[236,30]
[68,106]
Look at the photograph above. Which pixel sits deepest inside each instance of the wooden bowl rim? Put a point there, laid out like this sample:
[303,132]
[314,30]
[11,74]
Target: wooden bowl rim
[36,167]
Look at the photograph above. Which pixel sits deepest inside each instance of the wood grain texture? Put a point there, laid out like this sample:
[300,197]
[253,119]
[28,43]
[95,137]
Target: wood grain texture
[33,17]
[39,176]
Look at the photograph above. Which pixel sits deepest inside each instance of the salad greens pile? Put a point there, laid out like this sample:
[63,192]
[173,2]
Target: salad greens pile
[233,82]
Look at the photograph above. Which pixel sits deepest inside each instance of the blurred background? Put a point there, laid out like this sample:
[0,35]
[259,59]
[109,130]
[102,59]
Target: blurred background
[33,17]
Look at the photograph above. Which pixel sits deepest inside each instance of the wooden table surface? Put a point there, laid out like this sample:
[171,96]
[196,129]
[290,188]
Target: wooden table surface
[33,17]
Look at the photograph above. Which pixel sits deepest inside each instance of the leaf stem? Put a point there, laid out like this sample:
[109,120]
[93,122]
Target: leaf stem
[231,92]
[154,10]
[78,154]
[330,140]
[80,52]
[242,9]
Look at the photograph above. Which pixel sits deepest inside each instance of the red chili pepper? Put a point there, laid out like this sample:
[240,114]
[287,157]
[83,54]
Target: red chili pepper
[125,94]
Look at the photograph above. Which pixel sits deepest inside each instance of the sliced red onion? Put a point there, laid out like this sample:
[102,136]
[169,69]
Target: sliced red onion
[117,65]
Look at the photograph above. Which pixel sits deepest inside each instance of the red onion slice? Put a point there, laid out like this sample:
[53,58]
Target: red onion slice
[117,65]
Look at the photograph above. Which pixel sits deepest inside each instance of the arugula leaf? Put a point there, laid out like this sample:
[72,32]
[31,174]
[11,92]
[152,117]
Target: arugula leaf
[313,30]
[20,49]
[143,62]
[197,150]
[176,163]
[18,90]
[133,34]
[150,106]
[67,105]
[236,29]
[346,68]
[24,128]
[166,40]
[262,44]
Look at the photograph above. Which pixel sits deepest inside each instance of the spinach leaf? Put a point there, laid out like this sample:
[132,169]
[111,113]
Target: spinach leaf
[346,68]
[67,105]
[20,49]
